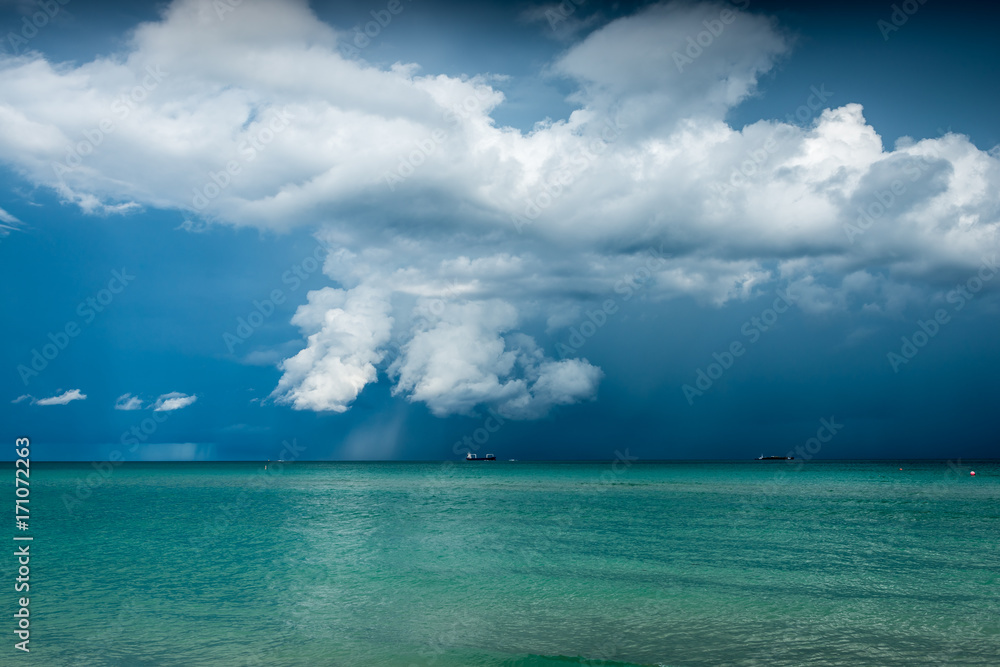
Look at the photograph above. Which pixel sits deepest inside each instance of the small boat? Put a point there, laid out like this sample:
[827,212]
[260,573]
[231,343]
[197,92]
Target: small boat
[775,458]
[472,457]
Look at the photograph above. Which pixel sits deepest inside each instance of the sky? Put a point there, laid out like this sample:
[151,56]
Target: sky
[408,230]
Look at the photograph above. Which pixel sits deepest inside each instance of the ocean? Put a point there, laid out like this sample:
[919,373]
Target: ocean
[514,564]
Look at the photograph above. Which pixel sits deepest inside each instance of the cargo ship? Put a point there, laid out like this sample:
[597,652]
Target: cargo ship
[775,458]
[472,457]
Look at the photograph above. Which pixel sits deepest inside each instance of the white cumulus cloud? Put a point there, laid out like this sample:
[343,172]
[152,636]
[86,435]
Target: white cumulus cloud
[63,398]
[463,359]
[448,232]
[347,331]
[175,400]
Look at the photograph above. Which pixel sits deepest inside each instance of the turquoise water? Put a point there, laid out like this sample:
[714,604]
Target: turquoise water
[515,564]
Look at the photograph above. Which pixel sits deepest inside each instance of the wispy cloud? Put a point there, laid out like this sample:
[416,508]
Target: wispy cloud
[173,401]
[63,398]
[128,402]
[8,223]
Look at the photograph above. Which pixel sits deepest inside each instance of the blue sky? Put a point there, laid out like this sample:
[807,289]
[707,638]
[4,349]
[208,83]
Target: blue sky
[544,234]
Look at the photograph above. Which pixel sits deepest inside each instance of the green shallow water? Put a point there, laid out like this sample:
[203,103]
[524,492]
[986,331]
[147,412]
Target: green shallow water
[516,564]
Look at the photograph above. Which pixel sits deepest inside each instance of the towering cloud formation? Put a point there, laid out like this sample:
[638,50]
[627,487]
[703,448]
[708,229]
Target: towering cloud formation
[461,359]
[447,233]
[347,330]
